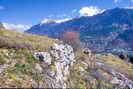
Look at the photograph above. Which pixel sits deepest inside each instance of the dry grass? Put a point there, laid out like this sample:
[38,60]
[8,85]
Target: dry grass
[117,64]
[17,40]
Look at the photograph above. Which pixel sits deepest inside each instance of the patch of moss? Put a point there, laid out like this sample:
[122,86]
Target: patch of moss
[52,67]
[19,69]
[81,86]
[20,66]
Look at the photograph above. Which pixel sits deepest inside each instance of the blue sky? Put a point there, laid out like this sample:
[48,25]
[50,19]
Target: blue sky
[31,12]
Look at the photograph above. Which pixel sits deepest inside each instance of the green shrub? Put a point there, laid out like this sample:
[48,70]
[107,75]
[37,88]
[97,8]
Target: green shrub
[30,58]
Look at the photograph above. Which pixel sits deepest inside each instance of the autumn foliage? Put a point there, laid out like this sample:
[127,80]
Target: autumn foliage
[72,38]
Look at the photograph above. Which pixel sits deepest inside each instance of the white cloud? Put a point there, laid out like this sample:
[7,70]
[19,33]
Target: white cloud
[89,11]
[17,27]
[2,7]
[57,16]
[129,7]
[115,1]
[56,21]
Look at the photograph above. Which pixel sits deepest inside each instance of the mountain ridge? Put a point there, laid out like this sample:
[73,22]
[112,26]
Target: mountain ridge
[102,29]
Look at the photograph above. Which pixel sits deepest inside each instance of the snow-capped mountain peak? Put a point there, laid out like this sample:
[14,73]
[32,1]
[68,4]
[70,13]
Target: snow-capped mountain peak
[16,27]
[45,21]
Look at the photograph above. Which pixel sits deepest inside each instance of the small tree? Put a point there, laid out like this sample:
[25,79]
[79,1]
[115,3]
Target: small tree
[72,38]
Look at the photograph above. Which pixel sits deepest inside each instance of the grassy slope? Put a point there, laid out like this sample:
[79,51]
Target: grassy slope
[117,64]
[16,40]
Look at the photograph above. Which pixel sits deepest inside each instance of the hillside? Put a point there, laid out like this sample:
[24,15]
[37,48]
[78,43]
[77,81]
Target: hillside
[29,61]
[100,32]
[16,40]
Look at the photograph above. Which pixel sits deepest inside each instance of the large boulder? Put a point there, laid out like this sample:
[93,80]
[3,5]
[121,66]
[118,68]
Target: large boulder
[60,59]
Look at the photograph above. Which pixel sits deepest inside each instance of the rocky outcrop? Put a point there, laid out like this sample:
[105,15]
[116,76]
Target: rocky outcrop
[60,67]
[58,60]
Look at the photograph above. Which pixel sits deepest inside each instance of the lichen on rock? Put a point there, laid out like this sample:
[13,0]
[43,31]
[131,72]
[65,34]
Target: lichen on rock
[62,58]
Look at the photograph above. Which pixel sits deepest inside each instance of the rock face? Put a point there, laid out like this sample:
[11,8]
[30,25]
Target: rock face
[59,60]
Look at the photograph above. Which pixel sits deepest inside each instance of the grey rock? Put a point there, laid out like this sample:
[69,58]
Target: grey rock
[62,58]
